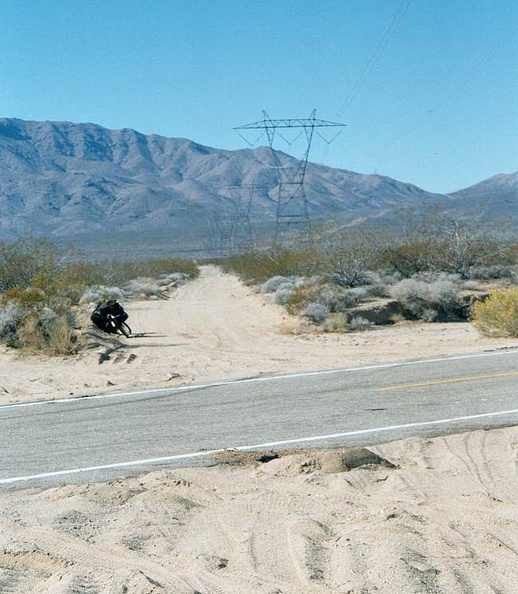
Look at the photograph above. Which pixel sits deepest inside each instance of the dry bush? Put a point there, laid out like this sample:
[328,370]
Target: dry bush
[346,255]
[316,312]
[259,266]
[498,314]
[359,324]
[272,284]
[336,322]
[283,293]
[317,290]
[302,295]
[100,293]
[427,300]
[10,316]
[46,332]
[116,272]
[145,289]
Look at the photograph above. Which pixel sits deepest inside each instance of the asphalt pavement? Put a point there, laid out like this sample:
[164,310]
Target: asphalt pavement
[105,437]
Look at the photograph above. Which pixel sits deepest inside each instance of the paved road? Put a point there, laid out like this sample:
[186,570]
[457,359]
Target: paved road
[105,437]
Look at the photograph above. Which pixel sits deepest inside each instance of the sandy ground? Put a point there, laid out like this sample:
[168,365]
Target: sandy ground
[426,516]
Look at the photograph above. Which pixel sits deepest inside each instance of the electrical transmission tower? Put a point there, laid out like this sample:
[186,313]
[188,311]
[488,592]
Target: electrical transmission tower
[230,229]
[292,205]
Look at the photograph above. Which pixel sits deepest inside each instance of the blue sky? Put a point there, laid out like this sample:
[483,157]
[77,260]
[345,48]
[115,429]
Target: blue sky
[428,88]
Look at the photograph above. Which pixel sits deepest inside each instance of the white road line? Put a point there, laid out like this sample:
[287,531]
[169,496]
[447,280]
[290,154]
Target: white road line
[271,444]
[268,378]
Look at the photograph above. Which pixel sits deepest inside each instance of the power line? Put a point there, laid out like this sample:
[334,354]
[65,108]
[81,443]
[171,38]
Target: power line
[481,61]
[382,44]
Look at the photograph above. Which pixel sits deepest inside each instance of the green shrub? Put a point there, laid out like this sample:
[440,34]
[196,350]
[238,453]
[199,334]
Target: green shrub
[498,314]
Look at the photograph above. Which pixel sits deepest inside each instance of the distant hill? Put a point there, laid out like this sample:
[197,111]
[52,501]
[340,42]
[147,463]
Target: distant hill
[496,197]
[83,181]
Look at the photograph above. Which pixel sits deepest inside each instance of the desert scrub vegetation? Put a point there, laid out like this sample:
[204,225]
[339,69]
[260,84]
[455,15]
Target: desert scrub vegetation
[431,270]
[498,314]
[258,266]
[45,290]
[429,297]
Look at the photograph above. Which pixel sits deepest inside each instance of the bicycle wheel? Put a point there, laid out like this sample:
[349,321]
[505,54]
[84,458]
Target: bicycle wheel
[124,328]
[120,326]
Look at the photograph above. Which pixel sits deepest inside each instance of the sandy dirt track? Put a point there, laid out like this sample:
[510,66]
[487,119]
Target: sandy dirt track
[428,516]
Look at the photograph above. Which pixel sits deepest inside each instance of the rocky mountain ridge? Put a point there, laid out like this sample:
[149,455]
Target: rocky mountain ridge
[62,179]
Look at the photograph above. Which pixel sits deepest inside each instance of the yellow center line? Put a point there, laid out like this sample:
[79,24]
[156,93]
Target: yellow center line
[475,378]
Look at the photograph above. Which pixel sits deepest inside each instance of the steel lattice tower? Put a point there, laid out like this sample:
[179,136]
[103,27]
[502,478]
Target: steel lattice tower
[292,205]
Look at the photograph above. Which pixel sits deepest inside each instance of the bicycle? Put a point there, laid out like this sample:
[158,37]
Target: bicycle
[119,325]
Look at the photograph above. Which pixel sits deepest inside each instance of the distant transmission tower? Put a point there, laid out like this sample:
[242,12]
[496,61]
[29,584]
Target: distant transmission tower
[292,205]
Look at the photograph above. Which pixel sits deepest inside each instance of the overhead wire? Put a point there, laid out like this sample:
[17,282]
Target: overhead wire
[382,44]
[481,61]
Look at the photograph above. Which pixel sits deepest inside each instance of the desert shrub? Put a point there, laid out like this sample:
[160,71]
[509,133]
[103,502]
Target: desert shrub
[316,312]
[380,283]
[347,298]
[116,272]
[172,279]
[46,331]
[10,316]
[427,300]
[498,314]
[133,289]
[336,322]
[376,290]
[407,259]
[33,326]
[25,258]
[272,284]
[144,289]
[258,266]
[284,292]
[99,293]
[437,277]
[316,290]
[26,299]
[340,299]
[494,272]
[303,294]
[345,255]
[359,324]
[445,241]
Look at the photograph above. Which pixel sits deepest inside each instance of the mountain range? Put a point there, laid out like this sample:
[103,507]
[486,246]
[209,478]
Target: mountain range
[82,181]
